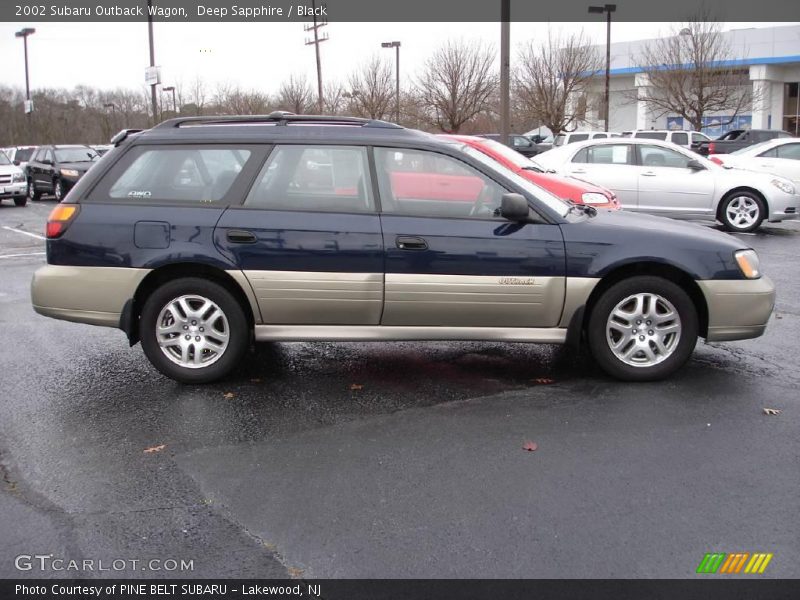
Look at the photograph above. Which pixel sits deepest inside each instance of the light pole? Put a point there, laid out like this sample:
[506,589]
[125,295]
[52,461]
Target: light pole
[171,88]
[152,61]
[607,9]
[24,33]
[396,46]
[505,71]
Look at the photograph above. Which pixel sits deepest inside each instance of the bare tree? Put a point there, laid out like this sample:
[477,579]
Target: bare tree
[295,95]
[333,95]
[372,88]
[457,83]
[553,78]
[690,75]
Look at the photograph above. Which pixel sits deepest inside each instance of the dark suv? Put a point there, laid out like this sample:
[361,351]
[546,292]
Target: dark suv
[203,234]
[55,169]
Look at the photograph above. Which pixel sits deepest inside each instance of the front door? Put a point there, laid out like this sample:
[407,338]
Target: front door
[611,166]
[450,261]
[308,238]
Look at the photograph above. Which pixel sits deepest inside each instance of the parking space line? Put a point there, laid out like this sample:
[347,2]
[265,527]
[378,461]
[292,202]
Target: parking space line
[33,235]
[22,254]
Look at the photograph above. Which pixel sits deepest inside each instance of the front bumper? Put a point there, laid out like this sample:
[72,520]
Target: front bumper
[13,190]
[94,295]
[738,309]
[783,207]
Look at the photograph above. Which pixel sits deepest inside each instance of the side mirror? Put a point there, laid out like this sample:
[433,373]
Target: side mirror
[514,207]
[16,163]
[695,165]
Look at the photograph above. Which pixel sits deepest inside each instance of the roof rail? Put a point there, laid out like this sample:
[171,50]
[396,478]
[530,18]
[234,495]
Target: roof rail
[123,134]
[278,117]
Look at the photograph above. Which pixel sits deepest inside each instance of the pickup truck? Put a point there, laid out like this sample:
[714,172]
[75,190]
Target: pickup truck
[736,139]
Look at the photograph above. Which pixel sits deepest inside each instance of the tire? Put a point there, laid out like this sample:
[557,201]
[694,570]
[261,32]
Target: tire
[186,360]
[638,357]
[58,190]
[742,212]
[33,193]
[20,200]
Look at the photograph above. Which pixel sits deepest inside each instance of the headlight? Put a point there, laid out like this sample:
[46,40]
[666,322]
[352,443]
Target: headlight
[69,172]
[783,185]
[17,177]
[748,263]
[594,198]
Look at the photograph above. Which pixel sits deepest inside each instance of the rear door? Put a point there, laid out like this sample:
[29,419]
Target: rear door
[611,166]
[450,261]
[308,237]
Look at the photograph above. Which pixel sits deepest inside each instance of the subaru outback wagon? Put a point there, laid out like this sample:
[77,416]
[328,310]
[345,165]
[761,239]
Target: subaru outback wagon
[202,235]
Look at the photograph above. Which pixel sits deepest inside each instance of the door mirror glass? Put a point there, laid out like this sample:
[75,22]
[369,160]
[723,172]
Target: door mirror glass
[514,207]
[695,165]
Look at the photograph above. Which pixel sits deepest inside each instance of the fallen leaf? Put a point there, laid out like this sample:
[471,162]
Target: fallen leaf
[777,316]
[256,380]
[530,446]
[294,572]
[228,395]
[356,386]
[153,449]
[544,380]
[772,411]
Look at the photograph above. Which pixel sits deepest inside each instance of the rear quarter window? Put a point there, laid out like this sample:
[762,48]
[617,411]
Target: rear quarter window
[176,174]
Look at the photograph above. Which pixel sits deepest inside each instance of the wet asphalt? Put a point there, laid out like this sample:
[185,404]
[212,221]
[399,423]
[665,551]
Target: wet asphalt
[393,459]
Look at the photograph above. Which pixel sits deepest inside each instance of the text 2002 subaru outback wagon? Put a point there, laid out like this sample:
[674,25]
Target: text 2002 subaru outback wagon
[201,234]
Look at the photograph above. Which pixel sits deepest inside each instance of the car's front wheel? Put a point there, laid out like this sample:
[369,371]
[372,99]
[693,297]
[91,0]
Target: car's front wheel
[58,190]
[20,200]
[33,193]
[193,330]
[642,328]
[742,212]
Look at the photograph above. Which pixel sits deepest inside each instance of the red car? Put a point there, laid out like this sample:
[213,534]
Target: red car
[570,188]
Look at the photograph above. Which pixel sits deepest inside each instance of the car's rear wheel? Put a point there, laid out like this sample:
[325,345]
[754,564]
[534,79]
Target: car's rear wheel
[642,329]
[742,212]
[33,193]
[193,330]
[21,200]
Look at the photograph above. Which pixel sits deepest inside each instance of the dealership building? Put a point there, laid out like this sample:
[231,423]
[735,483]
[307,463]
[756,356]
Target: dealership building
[770,56]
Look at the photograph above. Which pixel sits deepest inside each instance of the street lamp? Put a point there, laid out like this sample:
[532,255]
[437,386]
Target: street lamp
[171,88]
[24,33]
[396,46]
[607,9]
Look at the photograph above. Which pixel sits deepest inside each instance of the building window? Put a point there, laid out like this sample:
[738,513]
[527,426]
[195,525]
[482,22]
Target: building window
[791,108]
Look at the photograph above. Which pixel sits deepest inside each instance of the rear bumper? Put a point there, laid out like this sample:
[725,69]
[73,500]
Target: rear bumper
[737,309]
[93,295]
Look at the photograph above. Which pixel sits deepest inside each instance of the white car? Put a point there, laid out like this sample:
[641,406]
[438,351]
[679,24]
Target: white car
[563,138]
[664,179]
[12,182]
[780,156]
[675,136]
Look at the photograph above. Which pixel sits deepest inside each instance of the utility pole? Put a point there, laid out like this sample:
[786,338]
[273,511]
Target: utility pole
[607,9]
[396,46]
[24,33]
[505,70]
[153,99]
[318,39]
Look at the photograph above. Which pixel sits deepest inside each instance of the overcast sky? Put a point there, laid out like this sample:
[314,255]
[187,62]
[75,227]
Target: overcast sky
[254,55]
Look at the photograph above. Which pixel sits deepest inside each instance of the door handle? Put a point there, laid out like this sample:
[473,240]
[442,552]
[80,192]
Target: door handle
[648,174]
[578,171]
[405,242]
[239,236]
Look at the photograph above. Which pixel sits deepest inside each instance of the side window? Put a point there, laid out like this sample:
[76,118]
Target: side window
[49,156]
[177,173]
[682,139]
[656,156]
[521,142]
[599,136]
[606,154]
[698,137]
[314,178]
[427,184]
[790,151]
[578,137]
[771,153]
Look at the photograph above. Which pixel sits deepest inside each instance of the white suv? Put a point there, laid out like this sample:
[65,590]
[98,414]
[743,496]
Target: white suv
[12,181]
[562,139]
[679,137]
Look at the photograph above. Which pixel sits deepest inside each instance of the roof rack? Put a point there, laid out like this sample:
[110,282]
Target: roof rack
[278,117]
[122,135]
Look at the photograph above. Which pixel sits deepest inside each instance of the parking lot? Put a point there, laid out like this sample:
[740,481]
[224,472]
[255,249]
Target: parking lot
[394,459]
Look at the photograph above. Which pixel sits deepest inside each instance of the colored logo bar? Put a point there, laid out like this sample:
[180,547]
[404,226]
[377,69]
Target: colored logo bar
[737,562]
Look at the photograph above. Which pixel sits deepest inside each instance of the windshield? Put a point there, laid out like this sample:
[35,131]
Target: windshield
[77,154]
[4,159]
[552,202]
[755,148]
[510,155]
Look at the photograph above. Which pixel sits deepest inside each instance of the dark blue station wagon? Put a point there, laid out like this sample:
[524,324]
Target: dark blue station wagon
[202,235]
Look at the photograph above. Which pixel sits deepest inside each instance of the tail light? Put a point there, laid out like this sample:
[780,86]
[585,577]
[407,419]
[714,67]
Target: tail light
[60,218]
[712,148]
[716,160]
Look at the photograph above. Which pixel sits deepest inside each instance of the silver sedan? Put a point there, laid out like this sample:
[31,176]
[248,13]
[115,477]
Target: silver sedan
[664,179]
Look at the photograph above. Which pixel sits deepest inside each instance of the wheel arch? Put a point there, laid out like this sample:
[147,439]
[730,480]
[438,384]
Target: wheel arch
[655,269]
[129,321]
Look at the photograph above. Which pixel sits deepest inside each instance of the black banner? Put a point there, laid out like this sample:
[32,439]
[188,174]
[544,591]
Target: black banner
[388,11]
[402,589]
